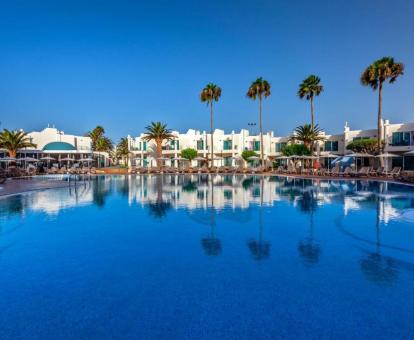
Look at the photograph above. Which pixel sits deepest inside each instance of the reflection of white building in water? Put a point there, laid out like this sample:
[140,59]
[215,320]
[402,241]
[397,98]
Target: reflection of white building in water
[224,192]
[53,201]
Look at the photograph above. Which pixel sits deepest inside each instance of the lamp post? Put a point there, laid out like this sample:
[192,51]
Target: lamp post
[251,126]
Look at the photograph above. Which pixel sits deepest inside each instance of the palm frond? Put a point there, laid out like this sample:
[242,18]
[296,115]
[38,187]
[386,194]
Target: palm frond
[310,87]
[259,88]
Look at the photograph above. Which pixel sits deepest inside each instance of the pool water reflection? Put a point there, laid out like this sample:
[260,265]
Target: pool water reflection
[196,256]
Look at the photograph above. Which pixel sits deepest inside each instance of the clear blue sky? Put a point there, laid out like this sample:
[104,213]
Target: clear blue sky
[122,64]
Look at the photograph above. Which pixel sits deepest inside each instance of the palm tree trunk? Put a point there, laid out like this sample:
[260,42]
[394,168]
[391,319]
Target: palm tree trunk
[159,152]
[12,153]
[211,132]
[379,115]
[261,133]
[380,121]
[312,113]
[312,124]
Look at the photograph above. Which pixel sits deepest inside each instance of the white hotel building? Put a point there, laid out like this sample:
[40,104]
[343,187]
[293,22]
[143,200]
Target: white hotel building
[56,144]
[399,139]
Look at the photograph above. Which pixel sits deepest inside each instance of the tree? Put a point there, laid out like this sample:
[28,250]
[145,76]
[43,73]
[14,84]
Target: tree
[309,88]
[308,135]
[260,88]
[103,144]
[95,135]
[99,142]
[189,154]
[158,132]
[369,146]
[375,75]
[13,141]
[296,150]
[246,154]
[122,150]
[209,94]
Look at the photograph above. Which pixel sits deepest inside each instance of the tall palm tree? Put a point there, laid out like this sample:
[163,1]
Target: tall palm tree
[96,134]
[158,132]
[375,75]
[260,88]
[211,93]
[309,88]
[122,150]
[308,135]
[103,144]
[13,141]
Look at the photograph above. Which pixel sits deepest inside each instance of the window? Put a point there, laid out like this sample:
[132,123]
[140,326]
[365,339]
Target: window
[359,138]
[228,194]
[279,146]
[256,145]
[200,144]
[227,161]
[401,138]
[227,145]
[331,145]
[171,145]
[200,195]
[144,146]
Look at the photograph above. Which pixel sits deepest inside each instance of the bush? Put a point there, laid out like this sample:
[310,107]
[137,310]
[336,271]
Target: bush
[369,145]
[189,154]
[246,154]
[296,150]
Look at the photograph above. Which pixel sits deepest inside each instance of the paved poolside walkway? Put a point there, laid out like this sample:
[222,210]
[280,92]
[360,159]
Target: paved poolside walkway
[15,186]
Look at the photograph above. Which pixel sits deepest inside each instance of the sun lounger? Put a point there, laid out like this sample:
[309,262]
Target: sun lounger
[3,176]
[335,171]
[363,172]
[395,172]
[377,172]
[347,172]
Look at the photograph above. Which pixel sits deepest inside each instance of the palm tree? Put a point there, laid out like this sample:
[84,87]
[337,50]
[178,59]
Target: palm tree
[211,93]
[103,144]
[307,135]
[96,134]
[309,88]
[122,150]
[158,132]
[13,141]
[258,89]
[375,75]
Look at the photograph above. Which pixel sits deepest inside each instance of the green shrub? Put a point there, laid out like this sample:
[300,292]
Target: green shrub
[296,149]
[246,154]
[368,145]
[189,154]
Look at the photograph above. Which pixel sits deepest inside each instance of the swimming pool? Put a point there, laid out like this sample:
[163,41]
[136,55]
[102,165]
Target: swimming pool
[178,256]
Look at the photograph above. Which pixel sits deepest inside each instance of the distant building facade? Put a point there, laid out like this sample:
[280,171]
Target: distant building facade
[55,144]
[398,138]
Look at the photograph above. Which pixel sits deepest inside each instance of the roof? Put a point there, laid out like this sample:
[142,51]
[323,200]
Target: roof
[58,146]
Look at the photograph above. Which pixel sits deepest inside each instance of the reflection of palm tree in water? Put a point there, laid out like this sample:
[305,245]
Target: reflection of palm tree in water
[159,208]
[211,244]
[99,191]
[377,267]
[260,248]
[308,249]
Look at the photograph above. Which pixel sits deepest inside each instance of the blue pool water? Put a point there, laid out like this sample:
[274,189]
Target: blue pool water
[188,257]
